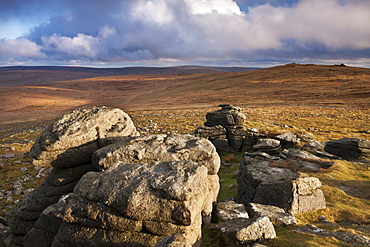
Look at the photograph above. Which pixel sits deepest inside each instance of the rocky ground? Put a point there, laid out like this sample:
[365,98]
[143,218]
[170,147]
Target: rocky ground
[345,183]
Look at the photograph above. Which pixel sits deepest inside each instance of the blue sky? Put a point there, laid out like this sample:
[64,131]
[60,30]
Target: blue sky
[115,33]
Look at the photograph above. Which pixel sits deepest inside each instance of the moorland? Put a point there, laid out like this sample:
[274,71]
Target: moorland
[320,101]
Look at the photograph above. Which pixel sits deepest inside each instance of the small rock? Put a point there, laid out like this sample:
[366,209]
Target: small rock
[230,210]
[8,156]
[288,138]
[245,231]
[261,154]
[301,154]
[323,220]
[253,130]
[314,145]
[23,169]
[274,213]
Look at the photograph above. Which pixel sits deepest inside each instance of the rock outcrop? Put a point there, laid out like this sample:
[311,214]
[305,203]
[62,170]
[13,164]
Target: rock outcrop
[159,148]
[349,148]
[127,190]
[227,116]
[225,129]
[72,139]
[259,182]
[67,145]
[137,203]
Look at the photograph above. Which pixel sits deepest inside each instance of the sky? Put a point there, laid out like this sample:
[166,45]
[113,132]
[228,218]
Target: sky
[244,33]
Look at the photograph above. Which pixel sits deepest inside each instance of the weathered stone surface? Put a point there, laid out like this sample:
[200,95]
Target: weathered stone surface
[288,138]
[26,214]
[222,145]
[159,148]
[72,139]
[268,145]
[230,210]
[72,208]
[253,172]
[307,195]
[164,185]
[146,200]
[262,155]
[301,154]
[68,145]
[349,148]
[211,197]
[77,235]
[350,238]
[260,183]
[211,133]
[45,229]
[60,176]
[245,231]
[175,240]
[275,214]
[228,116]
[314,145]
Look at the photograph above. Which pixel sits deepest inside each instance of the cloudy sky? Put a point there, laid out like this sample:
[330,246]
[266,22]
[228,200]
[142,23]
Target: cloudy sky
[115,33]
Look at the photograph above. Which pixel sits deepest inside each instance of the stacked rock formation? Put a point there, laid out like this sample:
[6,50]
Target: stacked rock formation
[67,145]
[140,203]
[223,128]
[258,182]
[127,190]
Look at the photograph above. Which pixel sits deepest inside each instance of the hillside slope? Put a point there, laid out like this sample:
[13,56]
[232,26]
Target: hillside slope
[30,75]
[289,84]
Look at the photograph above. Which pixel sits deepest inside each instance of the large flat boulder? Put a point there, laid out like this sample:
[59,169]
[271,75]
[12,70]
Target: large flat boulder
[349,148]
[159,148]
[275,214]
[259,182]
[242,232]
[73,138]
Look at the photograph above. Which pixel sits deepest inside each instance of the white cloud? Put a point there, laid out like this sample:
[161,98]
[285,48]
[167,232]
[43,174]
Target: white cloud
[224,7]
[156,11]
[166,30]
[326,22]
[20,47]
[80,45]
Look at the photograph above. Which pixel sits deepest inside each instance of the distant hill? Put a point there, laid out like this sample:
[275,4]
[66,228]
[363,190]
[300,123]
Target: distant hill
[27,94]
[29,75]
[190,69]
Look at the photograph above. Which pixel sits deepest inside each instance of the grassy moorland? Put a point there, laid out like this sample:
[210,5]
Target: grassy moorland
[315,102]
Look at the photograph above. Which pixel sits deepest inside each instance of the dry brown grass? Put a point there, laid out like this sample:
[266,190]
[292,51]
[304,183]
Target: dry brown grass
[283,86]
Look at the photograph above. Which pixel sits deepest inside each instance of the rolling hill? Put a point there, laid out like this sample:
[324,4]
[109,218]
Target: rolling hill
[28,75]
[48,95]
